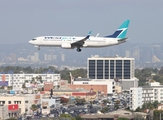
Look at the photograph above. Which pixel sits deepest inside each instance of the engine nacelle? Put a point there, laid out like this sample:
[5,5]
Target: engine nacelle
[66,45]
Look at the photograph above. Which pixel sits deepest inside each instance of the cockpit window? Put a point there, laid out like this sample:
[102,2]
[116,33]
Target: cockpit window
[33,39]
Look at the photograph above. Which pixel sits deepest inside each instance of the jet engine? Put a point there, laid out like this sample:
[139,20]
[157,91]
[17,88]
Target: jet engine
[66,45]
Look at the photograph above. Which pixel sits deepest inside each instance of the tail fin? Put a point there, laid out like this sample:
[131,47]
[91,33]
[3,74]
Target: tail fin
[121,31]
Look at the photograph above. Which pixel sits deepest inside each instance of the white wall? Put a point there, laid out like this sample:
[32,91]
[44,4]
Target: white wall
[109,84]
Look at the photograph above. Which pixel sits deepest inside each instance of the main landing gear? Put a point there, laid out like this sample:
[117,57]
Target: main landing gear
[38,47]
[78,49]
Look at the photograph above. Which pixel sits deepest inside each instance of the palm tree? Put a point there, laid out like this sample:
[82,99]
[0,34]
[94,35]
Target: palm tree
[40,78]
[23,86]
[37,78]
[33,80]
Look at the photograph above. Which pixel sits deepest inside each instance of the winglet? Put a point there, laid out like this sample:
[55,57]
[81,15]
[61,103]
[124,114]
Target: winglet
[89,32]
[87,37]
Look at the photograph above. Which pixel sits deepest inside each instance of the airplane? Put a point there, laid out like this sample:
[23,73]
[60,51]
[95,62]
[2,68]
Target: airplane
[71,42]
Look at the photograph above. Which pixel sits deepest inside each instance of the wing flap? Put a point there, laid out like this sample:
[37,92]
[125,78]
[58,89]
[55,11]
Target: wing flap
[80,43]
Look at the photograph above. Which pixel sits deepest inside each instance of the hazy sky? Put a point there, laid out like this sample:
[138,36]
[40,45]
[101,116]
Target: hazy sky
[22,20]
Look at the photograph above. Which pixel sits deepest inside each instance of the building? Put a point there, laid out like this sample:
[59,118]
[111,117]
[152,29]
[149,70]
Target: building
[24,102]
[67,93]
[36,57]
[48,103]
[48,86]
[103,86]
[135,98]
[109,116]
[8,111]
[145,94]
[152,92]
[4,114]
[110,68]
[17,80]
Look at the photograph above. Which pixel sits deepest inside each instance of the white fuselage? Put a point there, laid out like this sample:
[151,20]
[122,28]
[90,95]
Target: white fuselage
[58,41]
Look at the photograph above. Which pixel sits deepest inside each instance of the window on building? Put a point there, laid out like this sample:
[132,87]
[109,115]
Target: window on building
[9,102]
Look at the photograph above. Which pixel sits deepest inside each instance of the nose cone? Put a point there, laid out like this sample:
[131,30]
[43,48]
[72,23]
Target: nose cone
[30,42]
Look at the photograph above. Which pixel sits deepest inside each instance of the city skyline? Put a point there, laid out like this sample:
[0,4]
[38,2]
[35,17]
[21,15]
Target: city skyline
[27,55]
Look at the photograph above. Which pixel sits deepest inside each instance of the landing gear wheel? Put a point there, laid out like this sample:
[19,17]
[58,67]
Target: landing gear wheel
[78,49]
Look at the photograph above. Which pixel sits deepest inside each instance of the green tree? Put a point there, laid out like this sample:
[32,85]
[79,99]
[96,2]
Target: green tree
[155,104]
[23,86]
[65,74]
[150,105]
[28,70]
[80,101]
[67,116]
[104,110]
[17,69]
[116,106]
[122,118]
[33,107]
[40,78]
[78,118]
[79,73]
[9,87]
[138,109]
[160,72]
[37,78]
[33,80]
[143,74]
[157,114]
[105,101]
[76,73]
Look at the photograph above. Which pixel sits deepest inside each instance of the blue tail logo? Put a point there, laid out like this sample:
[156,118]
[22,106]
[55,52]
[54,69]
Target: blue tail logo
[121,31]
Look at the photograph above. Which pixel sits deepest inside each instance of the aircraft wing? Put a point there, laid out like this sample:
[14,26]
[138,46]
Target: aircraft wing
[80,43]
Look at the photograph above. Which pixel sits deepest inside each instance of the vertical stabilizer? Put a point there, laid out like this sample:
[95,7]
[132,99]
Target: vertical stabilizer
[121,31]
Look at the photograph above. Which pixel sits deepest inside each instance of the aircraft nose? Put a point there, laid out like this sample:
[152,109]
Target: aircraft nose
[30,41]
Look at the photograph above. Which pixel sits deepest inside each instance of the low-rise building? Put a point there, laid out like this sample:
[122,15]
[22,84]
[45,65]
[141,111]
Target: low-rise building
[48,103]
[80,93]
[17,80]
[140,95]
[104,86]
[109,116]
[24,102]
